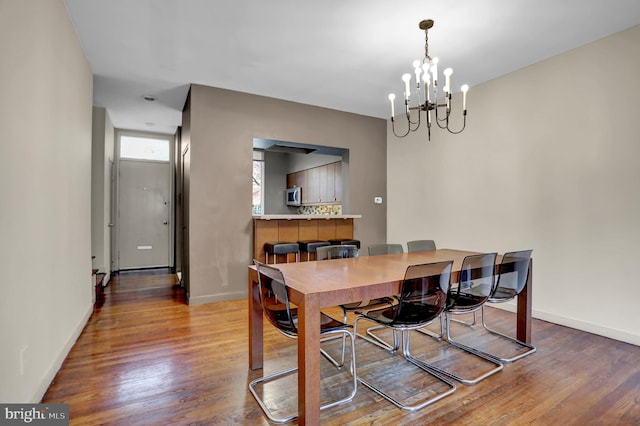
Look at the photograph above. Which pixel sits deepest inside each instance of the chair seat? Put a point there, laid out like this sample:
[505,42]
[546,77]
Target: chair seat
[465,303]
[281,248]
[410,315]
[371,304]
[312,246]
[503,295]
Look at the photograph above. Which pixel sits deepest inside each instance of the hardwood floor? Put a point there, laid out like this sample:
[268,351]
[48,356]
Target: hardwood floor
[146,358]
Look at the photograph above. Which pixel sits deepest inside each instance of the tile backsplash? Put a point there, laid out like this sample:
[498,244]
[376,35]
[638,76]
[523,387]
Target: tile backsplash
[326,209]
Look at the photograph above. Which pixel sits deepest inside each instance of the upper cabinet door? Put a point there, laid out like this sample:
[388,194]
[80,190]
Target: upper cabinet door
[320,185]
[311,190]
[337,181]
[327,183]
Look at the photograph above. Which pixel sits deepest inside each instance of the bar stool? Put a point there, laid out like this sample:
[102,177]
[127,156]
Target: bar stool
[281,248]
[341,242]
[310,246]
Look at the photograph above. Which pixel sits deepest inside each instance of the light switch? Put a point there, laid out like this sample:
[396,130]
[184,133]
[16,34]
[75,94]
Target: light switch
[377,200]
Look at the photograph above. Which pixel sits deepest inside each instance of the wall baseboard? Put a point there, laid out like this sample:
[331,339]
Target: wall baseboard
[612,333]
[62,355]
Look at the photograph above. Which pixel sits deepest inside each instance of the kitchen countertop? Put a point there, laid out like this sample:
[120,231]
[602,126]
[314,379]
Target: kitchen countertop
[306,216]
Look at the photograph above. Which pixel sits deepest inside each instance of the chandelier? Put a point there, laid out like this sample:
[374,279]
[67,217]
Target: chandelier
[427,94]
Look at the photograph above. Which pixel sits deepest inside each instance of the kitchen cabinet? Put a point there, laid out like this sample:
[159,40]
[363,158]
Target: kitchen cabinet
[320,185]
[311,192]
[296,180]
[331,183]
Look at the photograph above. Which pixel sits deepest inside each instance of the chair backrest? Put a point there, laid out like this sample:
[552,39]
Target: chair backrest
[336,252]
[378,249]
[423,295]
[476,283]
[512,275]
[274,298]
[421,245]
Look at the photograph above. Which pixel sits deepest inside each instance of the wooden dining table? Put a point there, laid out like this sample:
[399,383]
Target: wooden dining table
[316,285]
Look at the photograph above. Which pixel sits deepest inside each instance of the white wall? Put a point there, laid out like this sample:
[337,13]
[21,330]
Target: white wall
[45,117]
[549,161]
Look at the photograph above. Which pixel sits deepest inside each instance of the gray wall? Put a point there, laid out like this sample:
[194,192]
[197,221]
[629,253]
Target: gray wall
[275,181]
[223,124]
[549,161]
[101,163]
[45,219]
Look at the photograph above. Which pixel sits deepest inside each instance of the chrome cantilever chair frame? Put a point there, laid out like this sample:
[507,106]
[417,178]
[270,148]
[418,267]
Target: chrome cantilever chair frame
[518,262]
[422,299]
[475,286]
[275,303]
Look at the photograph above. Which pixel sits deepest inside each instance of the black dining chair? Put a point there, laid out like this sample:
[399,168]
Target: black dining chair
[513,274]
[422,299]
[284,317]
[468,295]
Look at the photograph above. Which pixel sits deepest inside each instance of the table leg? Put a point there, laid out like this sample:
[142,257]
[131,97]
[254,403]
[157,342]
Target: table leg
[255,323]
[523,332]
[309,361]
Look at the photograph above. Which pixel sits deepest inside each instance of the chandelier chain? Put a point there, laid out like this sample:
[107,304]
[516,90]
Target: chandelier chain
[426,45]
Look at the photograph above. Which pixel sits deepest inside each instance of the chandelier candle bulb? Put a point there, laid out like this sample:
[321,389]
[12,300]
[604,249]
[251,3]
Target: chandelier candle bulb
[426,85]
[447,78]
[434,70]
[392,97]
[464,89]
[418,71]
[407,85]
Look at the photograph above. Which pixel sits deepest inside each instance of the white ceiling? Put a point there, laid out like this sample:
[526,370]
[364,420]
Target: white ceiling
[340,54]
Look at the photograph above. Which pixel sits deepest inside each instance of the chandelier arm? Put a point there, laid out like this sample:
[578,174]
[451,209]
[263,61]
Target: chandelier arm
[408,109]
[464,124]
[416,123]
[442,120]
[393,129]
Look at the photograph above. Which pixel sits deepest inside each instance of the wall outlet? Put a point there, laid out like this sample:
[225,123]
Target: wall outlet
[377,200]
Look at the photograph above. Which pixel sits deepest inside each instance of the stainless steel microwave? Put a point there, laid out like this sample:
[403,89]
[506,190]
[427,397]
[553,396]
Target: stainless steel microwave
[294,196]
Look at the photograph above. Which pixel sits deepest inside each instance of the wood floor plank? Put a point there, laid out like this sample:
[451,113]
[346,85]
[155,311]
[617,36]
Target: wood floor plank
[147,358]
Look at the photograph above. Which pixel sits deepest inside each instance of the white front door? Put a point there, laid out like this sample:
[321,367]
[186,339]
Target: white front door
[143,217]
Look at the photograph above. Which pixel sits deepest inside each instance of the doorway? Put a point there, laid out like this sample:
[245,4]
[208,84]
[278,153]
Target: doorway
[144,228]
